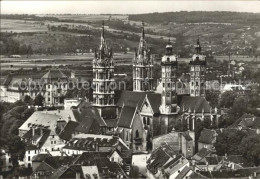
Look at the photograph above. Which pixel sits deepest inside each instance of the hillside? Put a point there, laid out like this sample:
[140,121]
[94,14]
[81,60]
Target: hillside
[198,17]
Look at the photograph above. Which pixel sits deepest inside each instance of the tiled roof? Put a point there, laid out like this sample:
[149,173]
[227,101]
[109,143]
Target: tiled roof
[57,161]
[187,136]
[213,160]
[47,118]
[57,173]
[155,101]
[88,142]
[126,117]
[207,136]
[68,130]
[39,137]
[111,122]
[160,157]
[239,173]
[100,160]
[201,154]
[44,167]
[89,120]
[194,103]
[248,121]
[183,173]
[131,98]
[40,157]
[54,74]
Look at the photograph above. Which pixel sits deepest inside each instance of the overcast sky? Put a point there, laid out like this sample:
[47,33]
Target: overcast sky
[124,7]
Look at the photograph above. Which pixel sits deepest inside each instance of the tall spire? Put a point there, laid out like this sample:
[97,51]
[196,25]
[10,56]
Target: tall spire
[169,47]
[103,29]
[143,35]
[198,47]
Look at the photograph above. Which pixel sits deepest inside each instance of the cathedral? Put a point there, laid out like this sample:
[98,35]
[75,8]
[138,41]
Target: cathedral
[142,114]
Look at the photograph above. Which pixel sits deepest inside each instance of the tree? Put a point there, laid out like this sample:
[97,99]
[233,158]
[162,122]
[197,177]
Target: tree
[28,100]
[250,148]
[39,100]
[213,97]
[227,99]
[228,142]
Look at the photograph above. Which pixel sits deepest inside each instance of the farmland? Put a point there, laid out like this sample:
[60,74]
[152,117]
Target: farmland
[20,26]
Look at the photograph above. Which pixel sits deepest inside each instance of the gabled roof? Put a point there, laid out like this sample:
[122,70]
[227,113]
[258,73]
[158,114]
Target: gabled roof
[194,103]
[57,161]
[68,130]
[131,98]
[213,160]
[126,117]
[201,154]
[155,101]
[100,160]
[89,120]
[159,157]
[47,118]
[54,74]
[38,137]
[207,136]
[247,121]
[40,157]
[88,142]
[187,136]
[183,173]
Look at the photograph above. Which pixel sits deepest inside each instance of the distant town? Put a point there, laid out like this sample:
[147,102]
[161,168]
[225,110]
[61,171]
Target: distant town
[163,95]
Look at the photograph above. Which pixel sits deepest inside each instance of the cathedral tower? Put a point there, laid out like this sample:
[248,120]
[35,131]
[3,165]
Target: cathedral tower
[169,97]
[103,77]
[143,67]
[197,73]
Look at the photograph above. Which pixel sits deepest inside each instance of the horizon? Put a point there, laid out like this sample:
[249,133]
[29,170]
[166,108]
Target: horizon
[125,7]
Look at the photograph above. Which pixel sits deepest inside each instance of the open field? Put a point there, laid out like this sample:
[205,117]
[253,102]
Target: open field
[88,17]
[58,60]
[22,26]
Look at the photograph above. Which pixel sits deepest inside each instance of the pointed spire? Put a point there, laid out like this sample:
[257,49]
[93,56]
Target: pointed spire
[103,29]
[143,35]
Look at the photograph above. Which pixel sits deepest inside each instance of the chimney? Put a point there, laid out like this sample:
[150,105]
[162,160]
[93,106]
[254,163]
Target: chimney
[41,129]
[77,175]
[33,131]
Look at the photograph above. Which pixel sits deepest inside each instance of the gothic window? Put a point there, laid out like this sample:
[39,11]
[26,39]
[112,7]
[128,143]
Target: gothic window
[144,120]
[168,59]
[197,84]
[126,136]
[136,134]
[192,83]
[202,84]
[148,121]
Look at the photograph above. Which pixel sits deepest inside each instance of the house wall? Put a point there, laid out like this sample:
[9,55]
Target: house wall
[203,145]
[29,154]
[71,152]
[126,136]
[53,145]
[6,162]
[115,157]
[138,126]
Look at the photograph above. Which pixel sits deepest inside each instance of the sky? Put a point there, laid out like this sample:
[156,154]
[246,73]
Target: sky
[123,7]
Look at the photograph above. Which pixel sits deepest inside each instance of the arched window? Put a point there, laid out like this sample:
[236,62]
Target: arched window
[144,120]
[148,121]
[136,134]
